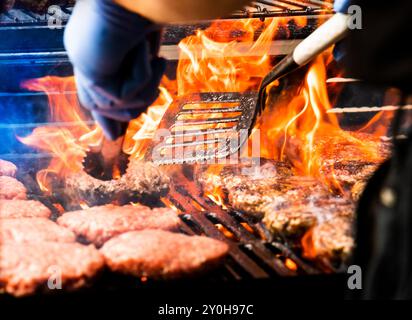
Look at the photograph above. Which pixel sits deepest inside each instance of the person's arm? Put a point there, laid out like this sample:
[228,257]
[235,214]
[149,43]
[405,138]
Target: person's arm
[174,11]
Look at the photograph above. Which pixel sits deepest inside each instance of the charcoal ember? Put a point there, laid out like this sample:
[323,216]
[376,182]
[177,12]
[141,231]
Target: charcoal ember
[12,189]
[6,5]
[33,230]
[7,168]
[15,209]
[143,181]
[161,254]
[99,224]
[25,268]
[330,242]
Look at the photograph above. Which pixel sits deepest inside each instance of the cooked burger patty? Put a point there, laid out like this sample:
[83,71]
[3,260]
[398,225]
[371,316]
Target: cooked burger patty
[33,230]
[11,189]
[331,242]
[28,267]
[248,191]
[143,181]
[7,168]
[294,220]
[99,224]
[162,254]
[23,209]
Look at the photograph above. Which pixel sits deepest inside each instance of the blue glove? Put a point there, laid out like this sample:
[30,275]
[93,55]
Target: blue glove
[339,51]
[114,53]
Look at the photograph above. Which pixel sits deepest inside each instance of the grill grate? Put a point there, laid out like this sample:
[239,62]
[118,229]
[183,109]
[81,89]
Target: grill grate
[257,9]
[253,254]
[280,8]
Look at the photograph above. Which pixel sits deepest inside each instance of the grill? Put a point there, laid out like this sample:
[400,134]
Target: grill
[254,253]
[33,49]
[258,9]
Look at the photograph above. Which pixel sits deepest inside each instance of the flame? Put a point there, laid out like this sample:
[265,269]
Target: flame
[291,265]
[308,246]
[303,132]
[69,136]
[84,205]
[227,233]
[226,57]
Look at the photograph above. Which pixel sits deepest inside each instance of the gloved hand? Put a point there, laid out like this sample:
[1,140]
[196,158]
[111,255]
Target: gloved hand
[116,67]
[339,50]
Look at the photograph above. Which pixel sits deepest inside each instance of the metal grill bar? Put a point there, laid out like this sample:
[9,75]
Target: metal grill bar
[261,8]
[278,8]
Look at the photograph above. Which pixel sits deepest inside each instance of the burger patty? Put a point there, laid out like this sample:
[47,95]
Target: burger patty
[26,268]
[7,168]
[143,181]
[23,209]
[161,254]
[12,189]
[292,206]
[331,241]
[99,224]
[247,189]
[294,220]
[33,230]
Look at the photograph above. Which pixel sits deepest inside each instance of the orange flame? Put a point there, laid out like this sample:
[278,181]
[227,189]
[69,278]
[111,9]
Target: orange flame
[302,132]
[69,136]
[225,57]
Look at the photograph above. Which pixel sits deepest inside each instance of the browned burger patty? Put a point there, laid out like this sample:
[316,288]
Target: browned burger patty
[33,230]
[248,191]
[330,242]
[7,168]
[27,267]
[99,224]
[162,254]
[143,181]
[12,189]
[23,209]
[294,220]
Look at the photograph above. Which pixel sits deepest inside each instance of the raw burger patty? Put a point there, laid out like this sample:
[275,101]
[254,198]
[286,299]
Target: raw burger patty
[162,254]
[7,168]
[11,188]
[23,209]
[99,224]
[27,267]
[33,230]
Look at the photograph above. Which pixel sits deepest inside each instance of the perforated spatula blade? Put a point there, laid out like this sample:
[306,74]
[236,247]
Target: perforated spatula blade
[203,126]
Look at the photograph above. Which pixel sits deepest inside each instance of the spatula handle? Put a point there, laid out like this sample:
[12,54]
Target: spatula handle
[322,38]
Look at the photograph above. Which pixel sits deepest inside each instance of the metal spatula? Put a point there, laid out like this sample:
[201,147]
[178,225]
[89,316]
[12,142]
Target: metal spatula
[205,126]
